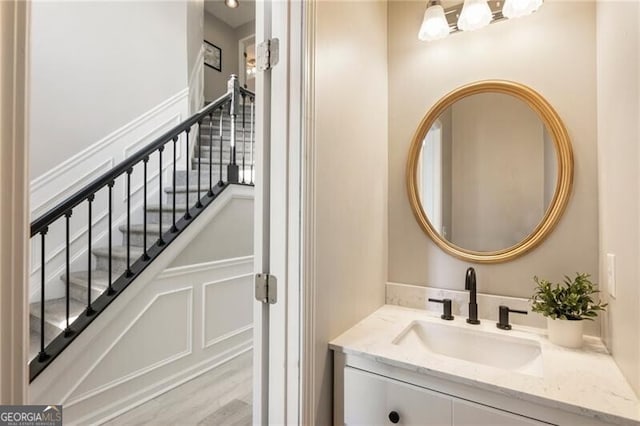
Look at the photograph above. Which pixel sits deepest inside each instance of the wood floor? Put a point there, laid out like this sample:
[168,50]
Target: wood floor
[221,396]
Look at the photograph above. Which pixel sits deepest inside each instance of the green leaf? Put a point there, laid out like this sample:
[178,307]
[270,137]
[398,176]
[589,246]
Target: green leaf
[572,299]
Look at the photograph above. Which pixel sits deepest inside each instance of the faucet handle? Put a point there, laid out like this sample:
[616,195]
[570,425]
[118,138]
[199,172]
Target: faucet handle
[446,306]
[503,316]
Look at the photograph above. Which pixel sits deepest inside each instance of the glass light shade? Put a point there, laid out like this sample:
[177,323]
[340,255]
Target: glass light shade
[518,8]
[475,15]
[231,3]
[434,24]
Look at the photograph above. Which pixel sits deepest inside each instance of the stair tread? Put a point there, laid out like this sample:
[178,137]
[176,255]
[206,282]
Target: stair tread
[55,311]
[152,228]
[99,279]
[166,207]
[119,252]
[193,187]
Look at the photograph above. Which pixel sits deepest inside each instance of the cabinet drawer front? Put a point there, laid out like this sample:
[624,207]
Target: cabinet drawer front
[369,399]
[469,414]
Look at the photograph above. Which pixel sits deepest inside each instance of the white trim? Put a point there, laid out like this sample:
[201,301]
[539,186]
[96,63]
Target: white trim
[141,371]
[14,210]
[172,382]
[242,72]
[205,266]
[105,142]
[308,222]
[65,192]
[203,327]
[68,177]
[228,335]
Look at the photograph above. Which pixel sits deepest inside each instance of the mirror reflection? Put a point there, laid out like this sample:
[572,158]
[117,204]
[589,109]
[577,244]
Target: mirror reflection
[487,172]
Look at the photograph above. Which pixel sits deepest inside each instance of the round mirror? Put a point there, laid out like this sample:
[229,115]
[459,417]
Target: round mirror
[490,171]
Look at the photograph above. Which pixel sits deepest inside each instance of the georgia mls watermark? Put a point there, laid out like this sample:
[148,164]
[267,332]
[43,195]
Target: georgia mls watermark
[30,415]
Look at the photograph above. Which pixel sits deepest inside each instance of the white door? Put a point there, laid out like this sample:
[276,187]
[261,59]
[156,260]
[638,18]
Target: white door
[278,127]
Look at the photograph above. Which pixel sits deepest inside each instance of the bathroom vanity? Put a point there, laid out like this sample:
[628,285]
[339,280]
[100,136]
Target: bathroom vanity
[410,367]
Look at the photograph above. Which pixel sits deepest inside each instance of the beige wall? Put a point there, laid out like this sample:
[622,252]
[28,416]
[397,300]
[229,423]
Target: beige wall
[351,164]
[226,38]
[619,176]
[553,51]
[497,179]
[96,66]
[229,235]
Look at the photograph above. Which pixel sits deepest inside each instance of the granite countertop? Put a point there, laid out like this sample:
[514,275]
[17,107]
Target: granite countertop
[583,381]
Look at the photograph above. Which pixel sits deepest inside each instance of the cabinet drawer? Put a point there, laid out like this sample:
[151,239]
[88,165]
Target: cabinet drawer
[469,414]
[369,400]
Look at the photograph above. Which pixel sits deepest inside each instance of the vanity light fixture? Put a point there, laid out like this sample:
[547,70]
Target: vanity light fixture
[232,3]
[434,24]
[518,8]
[470,15]
[475,15]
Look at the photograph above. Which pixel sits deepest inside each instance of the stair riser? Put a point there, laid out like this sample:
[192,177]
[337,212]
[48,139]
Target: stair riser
[181,175]
[181,197]
[153,217]
[137,238]
[226,129]
[204,146]
[119,266]
[79,292]
[50,330]
[226,154]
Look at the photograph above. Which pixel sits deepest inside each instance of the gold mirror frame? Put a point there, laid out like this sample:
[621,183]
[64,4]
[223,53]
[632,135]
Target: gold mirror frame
[564,157]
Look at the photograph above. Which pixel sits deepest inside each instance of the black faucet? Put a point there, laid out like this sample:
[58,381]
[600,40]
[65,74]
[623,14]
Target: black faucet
[503,316]
[470,284]
[446,313]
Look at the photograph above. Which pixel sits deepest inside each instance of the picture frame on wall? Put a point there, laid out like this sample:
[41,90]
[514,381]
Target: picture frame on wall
[212,56]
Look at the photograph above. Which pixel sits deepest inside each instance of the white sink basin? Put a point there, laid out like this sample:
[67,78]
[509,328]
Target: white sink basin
[495,350]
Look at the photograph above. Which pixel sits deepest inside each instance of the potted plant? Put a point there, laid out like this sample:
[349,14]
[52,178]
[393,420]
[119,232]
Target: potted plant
[566,305]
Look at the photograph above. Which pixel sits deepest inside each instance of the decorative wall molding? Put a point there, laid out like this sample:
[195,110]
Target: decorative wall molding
[247,281]
[82,377]
[215,265]
[70,176]
[187,351]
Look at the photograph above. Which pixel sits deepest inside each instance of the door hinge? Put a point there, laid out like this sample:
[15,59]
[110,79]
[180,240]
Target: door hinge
[266,288]
[267,54]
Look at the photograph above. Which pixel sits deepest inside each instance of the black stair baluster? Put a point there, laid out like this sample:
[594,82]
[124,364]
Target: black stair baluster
[198,203]
[129,272]
[251,141]
[173,227]
[160,192]
[244,96]
[187,215]
[210,154]
[145,256]
[67,330]
[220,134]
[90,310]
[42,356]
[110,290]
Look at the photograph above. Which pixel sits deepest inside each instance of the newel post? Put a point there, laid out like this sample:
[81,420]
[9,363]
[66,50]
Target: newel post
[233,88]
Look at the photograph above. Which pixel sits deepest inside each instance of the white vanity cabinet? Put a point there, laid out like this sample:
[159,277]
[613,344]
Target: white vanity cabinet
[368,392]
[371,399]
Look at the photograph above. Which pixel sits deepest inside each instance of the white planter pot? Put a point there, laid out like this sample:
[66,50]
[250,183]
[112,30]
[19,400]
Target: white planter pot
[566,333]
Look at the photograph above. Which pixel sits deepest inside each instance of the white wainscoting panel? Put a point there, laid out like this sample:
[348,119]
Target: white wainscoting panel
[72,175]
[223,320]
[150,340]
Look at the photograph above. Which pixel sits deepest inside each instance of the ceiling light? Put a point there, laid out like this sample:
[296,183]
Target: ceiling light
[518,8]
[475,15]
[232,3]
[434,24]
